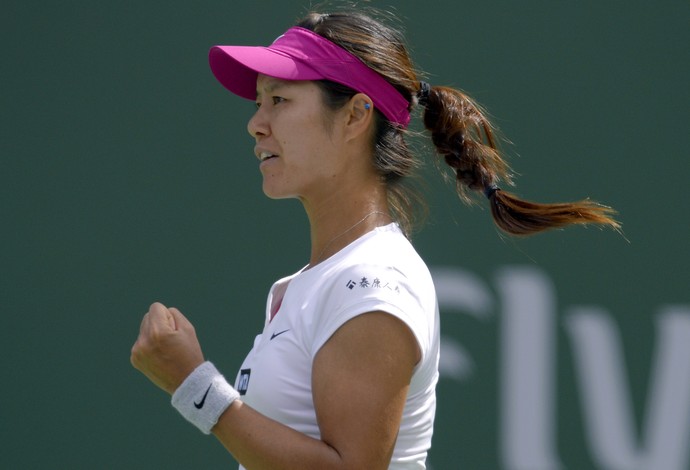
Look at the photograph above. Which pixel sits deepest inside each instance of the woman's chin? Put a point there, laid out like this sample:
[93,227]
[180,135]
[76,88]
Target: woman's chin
[276,193]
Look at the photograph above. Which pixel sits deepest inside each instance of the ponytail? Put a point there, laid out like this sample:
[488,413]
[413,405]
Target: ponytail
[467,141]
[463,136]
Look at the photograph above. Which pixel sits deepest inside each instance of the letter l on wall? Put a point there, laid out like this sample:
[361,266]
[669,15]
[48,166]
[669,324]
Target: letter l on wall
[527,375]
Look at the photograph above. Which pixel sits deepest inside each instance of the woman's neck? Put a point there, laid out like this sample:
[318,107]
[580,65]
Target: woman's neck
[333,226]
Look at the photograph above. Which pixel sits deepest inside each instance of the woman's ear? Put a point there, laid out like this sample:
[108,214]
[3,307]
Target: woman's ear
[360,114]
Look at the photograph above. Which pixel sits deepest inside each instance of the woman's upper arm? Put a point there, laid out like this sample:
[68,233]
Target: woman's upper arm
[360,380]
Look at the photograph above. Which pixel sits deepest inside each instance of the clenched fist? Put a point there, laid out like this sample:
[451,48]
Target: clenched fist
[167,349]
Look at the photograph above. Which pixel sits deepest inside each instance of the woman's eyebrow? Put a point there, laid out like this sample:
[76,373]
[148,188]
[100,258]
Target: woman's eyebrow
[271,86]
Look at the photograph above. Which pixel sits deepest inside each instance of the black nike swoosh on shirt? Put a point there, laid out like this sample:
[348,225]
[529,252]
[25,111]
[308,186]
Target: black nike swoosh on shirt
[279,333]
[200,405]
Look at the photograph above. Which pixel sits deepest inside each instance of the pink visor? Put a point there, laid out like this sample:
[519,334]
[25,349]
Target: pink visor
[301,54]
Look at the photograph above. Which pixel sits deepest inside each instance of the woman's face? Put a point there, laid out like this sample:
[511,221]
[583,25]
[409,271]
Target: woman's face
[298,149]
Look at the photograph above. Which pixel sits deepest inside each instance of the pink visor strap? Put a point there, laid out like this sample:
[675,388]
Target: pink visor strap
[301,54]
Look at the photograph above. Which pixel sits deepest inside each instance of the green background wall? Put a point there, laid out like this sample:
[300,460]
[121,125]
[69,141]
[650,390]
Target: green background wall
[127,176]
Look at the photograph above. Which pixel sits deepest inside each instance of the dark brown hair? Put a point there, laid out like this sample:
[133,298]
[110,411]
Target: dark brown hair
[461,133]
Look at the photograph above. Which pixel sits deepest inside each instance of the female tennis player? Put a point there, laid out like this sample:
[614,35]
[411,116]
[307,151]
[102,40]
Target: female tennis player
[343,375]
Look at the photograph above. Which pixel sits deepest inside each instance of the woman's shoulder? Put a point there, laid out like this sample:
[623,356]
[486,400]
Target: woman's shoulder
[383,261]
[382,258]
[388,248]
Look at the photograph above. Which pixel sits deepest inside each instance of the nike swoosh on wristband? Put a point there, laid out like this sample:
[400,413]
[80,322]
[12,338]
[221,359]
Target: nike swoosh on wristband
[200,405]
[279,333]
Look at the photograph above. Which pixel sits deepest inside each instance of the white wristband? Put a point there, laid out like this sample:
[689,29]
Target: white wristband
[204,396]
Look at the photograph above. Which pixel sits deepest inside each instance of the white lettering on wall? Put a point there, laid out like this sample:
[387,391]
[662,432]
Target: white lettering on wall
[527,370]
[529,324]
[665,436]
[464,292]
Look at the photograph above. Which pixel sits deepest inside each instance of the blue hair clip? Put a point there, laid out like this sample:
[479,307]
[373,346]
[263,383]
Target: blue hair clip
[490,190]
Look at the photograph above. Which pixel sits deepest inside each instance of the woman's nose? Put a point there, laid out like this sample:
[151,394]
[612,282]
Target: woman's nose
[257,125]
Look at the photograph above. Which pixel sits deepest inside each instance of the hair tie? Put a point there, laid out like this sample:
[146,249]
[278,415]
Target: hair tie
[423,93]
[490,190]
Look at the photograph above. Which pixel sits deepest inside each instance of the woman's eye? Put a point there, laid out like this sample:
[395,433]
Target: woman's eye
[274,99]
